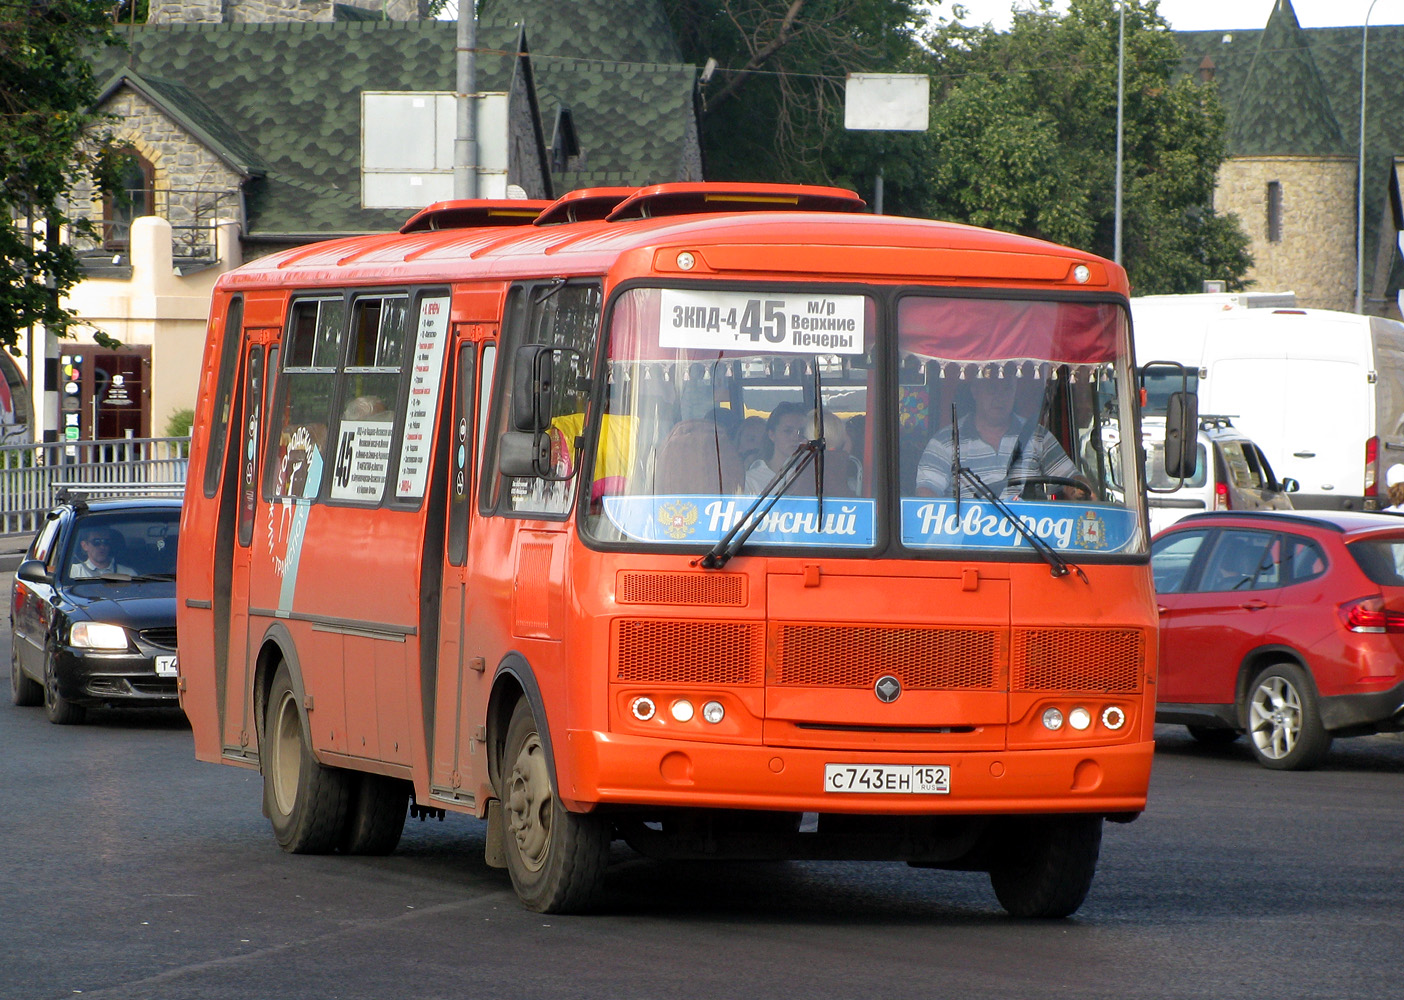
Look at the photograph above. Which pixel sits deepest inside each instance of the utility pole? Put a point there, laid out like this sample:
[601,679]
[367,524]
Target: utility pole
[465,143]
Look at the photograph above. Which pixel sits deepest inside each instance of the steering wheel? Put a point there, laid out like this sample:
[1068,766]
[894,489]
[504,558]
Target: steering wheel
[1040,484]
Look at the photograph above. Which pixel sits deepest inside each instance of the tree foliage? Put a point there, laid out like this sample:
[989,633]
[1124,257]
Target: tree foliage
[773,108]
[47,144]
[1023,138]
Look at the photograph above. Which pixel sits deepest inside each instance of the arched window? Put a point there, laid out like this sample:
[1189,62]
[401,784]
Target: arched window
[133,197]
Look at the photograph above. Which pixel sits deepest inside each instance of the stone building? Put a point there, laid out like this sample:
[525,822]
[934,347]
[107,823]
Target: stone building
[1293,101]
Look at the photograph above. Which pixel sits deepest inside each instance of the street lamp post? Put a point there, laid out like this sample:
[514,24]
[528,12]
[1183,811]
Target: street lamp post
[1360,170]
[1120,124]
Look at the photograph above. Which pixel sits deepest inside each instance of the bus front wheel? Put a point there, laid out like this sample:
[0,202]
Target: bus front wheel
[556,858]
[306,802]
[1044,866]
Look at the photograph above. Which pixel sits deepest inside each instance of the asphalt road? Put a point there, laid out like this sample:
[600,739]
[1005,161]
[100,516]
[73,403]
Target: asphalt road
[129,871]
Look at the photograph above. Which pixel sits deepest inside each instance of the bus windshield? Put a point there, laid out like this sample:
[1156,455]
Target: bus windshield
[711,392]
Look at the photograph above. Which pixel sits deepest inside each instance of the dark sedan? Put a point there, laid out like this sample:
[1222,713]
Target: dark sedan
[93,609]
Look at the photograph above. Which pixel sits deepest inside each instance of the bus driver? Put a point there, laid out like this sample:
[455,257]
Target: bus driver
[996,445]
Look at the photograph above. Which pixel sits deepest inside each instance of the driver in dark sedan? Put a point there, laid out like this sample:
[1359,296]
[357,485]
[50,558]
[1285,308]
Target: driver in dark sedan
[996,444]
[97,545]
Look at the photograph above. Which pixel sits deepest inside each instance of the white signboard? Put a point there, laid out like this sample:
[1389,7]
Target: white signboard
[362,460]
[887,102]
[786,322]
[430,337]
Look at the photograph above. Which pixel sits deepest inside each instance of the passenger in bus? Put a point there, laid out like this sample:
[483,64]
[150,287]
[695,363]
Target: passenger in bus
[366,408]
[98,545]
[843,474]
[751,440]
[997,445]
[784,431]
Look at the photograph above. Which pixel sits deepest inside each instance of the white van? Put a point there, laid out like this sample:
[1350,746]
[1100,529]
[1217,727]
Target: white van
[1321,392]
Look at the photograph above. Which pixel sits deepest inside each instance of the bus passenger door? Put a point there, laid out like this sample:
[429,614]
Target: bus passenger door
[239,728]
[456,752]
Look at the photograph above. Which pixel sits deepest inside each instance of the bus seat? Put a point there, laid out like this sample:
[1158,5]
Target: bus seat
[697,457]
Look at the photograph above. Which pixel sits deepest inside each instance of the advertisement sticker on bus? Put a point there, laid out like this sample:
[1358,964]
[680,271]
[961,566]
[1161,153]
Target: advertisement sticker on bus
[789,323]
[362,460]
[430,337]
[846,523]
[976,524]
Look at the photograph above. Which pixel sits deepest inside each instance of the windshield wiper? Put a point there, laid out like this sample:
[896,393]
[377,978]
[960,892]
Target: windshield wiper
[730,543]
[1057,565]
[148,577]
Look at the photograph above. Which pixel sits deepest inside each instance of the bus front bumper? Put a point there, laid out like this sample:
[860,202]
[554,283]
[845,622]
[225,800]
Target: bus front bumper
[610,769]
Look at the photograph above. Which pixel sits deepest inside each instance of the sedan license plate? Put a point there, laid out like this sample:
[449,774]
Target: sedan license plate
[888,779]
[166,666]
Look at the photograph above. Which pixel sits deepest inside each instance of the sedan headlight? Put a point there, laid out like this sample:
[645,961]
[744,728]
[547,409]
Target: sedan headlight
[96,635]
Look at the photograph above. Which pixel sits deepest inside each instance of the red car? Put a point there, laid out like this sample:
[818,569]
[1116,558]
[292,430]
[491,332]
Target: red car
[1286,625]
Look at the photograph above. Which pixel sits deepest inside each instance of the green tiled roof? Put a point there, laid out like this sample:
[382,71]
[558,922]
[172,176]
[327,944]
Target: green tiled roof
[287,96]
[194,115]
[1283,107]
[616,66]
[293,93]
[1270,110]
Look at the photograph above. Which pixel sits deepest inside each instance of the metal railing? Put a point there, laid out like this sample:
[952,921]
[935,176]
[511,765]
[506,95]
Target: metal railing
[30,474]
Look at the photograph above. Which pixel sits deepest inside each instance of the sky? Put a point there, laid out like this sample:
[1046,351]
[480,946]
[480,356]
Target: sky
[1201,15]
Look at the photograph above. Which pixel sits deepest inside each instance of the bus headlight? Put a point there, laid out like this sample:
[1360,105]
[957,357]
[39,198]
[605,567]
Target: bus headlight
[713,712]
[1052,719]
[1113,717]
[1079,718]
[682,710]
[643,708]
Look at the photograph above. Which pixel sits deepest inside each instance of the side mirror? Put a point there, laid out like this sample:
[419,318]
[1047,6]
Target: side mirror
[524,453]
[1181,434]
[1290,485]
[33,571]
[531,387]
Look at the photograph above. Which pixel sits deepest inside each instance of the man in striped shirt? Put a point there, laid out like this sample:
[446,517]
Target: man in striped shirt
[996,445]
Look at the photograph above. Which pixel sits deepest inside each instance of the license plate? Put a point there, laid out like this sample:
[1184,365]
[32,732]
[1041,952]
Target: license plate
[166,666]
[888,779]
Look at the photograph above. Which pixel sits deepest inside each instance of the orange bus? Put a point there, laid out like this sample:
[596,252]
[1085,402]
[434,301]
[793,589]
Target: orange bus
[728,521]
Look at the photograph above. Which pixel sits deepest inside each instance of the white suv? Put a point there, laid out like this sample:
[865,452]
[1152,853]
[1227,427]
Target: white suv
[1238,478]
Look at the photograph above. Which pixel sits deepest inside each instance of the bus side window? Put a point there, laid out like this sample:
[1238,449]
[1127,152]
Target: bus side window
[462,450]
[299,425]
[559,316]
[230,344]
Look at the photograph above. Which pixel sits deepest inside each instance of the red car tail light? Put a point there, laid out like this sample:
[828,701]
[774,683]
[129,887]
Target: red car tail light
[1221,497]
[1372,454]
[1368,614]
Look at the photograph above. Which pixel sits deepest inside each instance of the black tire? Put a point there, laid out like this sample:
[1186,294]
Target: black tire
[307,803]
[25,691]
[1213,736]
[1284,723]
[1045,865]
[376,816]
[60,711]
[556,858]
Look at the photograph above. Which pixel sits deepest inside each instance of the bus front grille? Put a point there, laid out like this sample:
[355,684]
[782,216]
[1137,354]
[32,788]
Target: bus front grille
[1078,659]
[715,589]
[855,656]
[689,652]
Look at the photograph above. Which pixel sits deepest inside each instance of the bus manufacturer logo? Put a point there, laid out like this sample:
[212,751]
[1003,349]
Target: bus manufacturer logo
[888,689]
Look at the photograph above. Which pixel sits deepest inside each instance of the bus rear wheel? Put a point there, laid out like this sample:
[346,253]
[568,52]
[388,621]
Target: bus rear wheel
[307,803]
[376,816]
[556,857]
[1044,867]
